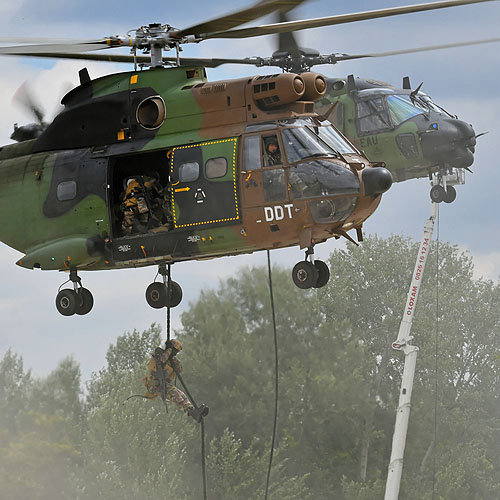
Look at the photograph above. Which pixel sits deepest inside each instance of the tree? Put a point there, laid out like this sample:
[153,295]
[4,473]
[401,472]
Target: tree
[39,439]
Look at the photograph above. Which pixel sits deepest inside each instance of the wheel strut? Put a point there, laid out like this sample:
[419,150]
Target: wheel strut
[168,293]
[310,273]
[78,300]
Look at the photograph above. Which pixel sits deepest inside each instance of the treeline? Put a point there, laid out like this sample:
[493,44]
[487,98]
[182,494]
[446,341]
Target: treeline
[339,388]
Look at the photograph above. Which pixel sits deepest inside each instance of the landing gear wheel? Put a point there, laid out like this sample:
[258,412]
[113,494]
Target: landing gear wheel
[305,275]
[323,274]
[156,295]
[451,194]
[66,302]
[438,194]
[85,301]
[175,296]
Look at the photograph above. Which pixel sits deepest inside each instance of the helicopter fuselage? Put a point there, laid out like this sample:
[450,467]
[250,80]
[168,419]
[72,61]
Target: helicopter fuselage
[62,195]
[403,128]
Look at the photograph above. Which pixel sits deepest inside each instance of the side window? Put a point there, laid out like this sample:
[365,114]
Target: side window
[189,172]
[251,152]
[272,152]
[274,184]
[372,115]
[216,168]
[66,191]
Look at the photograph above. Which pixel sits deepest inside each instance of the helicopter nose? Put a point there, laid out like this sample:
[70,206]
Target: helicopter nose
[451,141]
[377,180]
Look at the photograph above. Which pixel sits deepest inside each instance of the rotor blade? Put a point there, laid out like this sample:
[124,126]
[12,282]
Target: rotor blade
[269,29]
[44,40]
[287,41]
[243,16]
[25,99]
[347,57]
[122,58]
[53,48]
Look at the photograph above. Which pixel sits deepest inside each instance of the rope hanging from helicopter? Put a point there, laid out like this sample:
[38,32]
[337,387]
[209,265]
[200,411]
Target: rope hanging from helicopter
[276,378]
[181,380]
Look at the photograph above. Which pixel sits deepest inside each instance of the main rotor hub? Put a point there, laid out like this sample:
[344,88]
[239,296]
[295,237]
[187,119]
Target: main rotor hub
[152,39]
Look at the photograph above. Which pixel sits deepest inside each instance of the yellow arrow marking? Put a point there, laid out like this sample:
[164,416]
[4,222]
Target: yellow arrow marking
[178,190]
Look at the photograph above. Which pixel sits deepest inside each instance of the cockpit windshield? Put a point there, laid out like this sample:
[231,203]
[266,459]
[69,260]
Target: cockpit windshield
[401,108]
[301,143]
[334,139]
[384,110]
[313,141]
[404,106]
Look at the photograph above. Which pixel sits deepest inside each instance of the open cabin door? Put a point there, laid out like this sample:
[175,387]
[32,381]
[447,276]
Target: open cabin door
[204,183]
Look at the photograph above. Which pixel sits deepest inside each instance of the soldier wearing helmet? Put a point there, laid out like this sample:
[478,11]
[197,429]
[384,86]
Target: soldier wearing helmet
[135,207]
[163,367]
[273,153]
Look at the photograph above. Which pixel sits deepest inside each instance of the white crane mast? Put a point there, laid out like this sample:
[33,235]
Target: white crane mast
[403,343]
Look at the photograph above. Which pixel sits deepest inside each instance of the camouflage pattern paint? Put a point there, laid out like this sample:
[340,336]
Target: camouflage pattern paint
[59,194]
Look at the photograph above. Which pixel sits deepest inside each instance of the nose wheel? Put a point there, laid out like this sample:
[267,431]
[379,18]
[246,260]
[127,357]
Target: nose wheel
[310,273]
[442,185]
[77,300]
[439,194]
[163,294]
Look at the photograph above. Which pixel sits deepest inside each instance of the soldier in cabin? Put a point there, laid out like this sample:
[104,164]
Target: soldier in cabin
[163,367]
[272,153]
[135,207]
[145,205]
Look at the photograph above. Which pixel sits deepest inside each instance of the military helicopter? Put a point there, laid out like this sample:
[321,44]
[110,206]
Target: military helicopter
[223,168]
[401,127]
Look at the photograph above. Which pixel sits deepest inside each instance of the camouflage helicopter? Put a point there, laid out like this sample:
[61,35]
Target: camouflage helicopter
[215,168]
[401,127]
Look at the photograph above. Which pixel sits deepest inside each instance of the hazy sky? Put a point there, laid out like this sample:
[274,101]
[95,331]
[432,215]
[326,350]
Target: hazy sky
[463,80]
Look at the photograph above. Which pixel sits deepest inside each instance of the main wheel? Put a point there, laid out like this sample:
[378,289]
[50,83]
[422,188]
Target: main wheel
[323,273]
[305,275]
[156,295]
[66,302]
[85,301]
[175,296]
[438,194]
[451,194]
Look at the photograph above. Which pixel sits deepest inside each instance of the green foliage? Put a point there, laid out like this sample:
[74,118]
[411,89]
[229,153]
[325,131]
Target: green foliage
[338,390]
[39,431]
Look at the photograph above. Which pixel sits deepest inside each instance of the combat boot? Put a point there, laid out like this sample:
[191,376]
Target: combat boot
[198,413]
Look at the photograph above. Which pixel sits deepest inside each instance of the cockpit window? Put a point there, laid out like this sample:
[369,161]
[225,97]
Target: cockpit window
[321,178]
[426,101]
[327,133]
[334,139]
[302,143]
[372,115]
[401,108]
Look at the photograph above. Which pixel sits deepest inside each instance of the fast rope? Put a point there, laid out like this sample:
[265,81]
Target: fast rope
[275,373]
[181,380]
[436,350]
[169,295]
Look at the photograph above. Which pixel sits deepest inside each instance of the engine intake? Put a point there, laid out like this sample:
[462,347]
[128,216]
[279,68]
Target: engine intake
[315,86]
[273,91]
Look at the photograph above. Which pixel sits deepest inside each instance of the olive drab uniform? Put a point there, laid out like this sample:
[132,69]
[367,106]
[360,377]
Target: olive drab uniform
[272,152]
[135,207]
[160,202]
[146,204]
[163,362]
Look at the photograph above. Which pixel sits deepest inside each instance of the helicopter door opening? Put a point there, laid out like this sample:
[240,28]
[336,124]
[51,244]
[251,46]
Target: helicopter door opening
[140,194]
[204,183]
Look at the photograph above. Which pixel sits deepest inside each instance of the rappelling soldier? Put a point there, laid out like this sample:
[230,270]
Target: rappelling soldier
[163,367]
